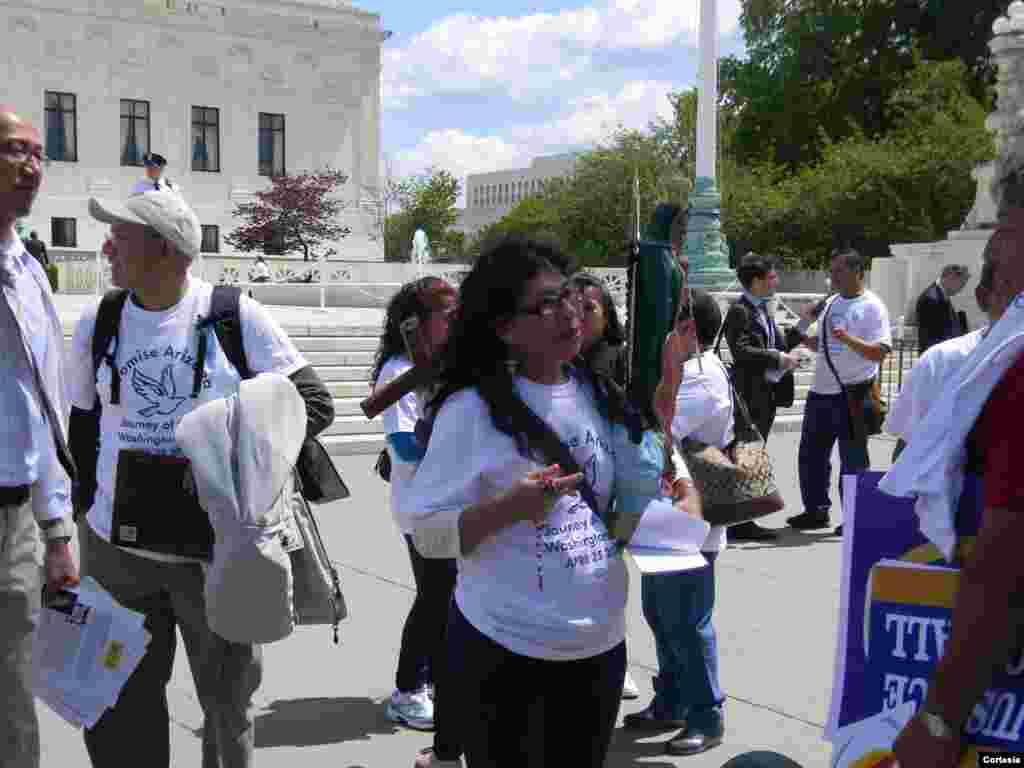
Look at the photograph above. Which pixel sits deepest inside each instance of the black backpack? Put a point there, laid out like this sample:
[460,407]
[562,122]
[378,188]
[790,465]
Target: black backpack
[223,316]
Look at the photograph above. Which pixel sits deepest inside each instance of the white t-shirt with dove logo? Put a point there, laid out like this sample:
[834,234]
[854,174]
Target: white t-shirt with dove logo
[156,357]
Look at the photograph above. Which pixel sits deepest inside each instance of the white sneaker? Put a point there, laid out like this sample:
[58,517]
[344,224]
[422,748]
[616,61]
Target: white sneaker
[414,710]
[427,759]
[629,688]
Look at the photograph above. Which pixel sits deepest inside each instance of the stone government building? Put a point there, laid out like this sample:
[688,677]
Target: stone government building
[228,91]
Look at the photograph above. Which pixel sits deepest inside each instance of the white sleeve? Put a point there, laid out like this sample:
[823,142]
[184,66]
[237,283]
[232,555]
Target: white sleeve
[692,405]
[81,378]
[268,349]
[900,420]
[449,478]
[878,329]
[403,415]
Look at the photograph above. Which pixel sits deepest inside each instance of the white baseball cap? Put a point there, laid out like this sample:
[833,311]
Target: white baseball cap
[162,209]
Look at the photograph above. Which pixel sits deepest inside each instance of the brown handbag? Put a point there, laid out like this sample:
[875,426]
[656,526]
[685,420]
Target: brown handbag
[736,484]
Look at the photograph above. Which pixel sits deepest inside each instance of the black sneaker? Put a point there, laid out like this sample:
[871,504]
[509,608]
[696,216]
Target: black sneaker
[809,521]
[751,532]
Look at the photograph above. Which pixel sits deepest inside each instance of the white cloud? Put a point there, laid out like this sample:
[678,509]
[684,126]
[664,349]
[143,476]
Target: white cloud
[588,120]
[466,54]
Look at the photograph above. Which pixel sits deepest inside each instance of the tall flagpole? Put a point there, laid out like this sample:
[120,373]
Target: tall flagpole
[705,246]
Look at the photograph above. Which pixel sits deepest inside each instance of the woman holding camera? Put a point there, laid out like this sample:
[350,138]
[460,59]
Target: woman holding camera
[415,326]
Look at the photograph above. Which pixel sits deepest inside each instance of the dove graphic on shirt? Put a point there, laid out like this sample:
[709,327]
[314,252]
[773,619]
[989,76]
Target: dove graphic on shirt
[162,395]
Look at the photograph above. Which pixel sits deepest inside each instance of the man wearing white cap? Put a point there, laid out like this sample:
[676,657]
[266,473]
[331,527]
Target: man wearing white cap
[150,377]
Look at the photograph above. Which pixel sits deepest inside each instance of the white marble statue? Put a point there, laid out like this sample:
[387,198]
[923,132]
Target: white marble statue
[420,251]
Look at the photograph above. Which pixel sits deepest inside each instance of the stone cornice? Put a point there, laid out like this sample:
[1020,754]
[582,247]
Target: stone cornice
[311,26]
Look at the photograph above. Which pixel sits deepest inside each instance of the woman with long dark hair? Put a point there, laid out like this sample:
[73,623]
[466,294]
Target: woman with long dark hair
[603,347]
[424,308]
[539,611]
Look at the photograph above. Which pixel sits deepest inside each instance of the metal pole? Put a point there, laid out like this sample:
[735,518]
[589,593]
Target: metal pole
[323,276]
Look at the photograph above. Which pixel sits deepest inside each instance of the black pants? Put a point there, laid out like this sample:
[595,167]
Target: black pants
[424,631]
[496,697]
[422,659]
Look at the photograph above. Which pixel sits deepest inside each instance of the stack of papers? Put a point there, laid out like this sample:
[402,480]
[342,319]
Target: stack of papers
[667,539]
[86,647]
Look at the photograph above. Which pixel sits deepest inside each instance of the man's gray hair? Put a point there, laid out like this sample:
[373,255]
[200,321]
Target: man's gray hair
[958,270]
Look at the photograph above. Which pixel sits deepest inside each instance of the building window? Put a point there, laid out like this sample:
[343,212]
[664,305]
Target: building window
[271,144]
[62,233]
[134,131]
[273,244]
[211,239]
[206,139]
[61,127]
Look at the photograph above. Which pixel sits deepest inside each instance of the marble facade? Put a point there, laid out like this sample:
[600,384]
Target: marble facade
[317,62]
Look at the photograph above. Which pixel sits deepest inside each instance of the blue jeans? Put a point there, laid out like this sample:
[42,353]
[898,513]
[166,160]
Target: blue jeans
[678,607]
[826,420]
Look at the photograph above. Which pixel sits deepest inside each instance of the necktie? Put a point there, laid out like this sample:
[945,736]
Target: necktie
[60,444]
[156,184]
[769,323]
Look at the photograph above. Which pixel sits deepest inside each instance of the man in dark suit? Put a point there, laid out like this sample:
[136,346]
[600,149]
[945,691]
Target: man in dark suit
[936,318]
[37,248]
[762,364]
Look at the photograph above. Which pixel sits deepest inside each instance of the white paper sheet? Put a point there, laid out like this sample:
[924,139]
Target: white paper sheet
[84,655]
[668,539]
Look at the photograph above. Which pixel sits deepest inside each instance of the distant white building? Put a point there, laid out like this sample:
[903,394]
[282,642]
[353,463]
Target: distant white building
[489,196]
[229,91]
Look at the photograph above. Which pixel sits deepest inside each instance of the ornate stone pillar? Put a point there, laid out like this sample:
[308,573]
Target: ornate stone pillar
[705,246]
[1007,122]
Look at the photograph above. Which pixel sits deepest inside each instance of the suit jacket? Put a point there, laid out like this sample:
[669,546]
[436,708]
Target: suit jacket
[752,357]
[936,318]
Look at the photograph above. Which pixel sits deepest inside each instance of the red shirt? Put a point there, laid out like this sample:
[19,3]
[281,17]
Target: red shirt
[1001,427]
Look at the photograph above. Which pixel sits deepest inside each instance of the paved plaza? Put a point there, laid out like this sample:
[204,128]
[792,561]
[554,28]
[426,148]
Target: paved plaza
[320,705]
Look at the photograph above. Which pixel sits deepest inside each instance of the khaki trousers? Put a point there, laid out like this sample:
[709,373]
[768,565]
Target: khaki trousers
[20,598]
[226,675]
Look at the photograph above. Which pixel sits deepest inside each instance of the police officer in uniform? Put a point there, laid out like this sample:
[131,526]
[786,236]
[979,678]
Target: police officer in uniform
[154,175]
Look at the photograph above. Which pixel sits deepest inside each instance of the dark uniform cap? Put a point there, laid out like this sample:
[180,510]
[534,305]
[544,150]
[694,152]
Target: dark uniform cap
[153,160]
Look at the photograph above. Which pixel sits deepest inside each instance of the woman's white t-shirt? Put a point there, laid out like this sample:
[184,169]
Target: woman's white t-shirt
[704,412]
[863,316]
[156,356]
[400,417]
[580,612]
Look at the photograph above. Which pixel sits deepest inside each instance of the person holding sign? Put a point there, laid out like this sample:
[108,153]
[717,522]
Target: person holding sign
[539,613]
[987,629]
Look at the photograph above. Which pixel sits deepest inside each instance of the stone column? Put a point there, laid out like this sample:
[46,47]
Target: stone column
[1007,122]
[705,246]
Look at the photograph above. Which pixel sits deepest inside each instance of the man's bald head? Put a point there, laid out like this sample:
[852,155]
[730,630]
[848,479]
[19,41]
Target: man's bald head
[21,166]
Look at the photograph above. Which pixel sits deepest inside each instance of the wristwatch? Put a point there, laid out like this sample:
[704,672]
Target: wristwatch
[57,529]
[937,726]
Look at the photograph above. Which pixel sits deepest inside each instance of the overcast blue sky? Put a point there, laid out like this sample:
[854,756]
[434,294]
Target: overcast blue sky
[477,86]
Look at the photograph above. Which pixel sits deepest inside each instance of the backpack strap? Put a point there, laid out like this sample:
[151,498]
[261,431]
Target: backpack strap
[108,322]
[225,318]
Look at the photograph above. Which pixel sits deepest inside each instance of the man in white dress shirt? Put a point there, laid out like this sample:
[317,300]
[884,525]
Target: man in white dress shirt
[928,377]
[35,487]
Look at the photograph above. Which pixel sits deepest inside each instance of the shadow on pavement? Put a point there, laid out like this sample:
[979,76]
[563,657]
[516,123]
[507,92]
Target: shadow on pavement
[790,537]
[630,747]
[310,722]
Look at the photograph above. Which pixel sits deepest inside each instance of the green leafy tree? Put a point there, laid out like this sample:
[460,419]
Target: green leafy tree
[821,71]
[427,202]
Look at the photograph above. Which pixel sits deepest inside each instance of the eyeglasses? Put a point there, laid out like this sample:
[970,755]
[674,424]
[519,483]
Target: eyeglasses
[569,296]
[21,151]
